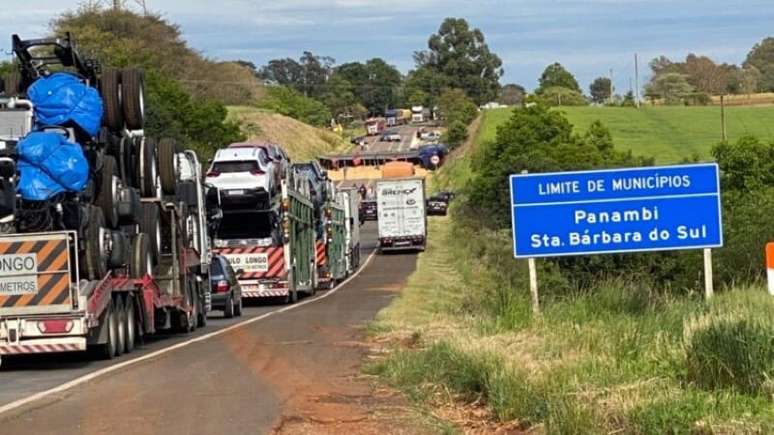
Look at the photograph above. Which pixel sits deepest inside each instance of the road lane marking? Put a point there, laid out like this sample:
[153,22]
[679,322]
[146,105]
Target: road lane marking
[101,372]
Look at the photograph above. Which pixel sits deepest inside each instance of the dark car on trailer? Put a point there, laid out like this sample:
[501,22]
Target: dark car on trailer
[226,291]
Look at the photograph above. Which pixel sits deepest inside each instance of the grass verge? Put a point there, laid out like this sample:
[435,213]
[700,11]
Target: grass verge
[618,359]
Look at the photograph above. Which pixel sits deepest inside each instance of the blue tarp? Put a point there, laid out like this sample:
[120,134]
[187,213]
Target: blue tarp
[48,165]
[62,97]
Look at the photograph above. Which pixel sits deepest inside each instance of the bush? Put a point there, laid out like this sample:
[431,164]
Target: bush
[456,133]
[731,349]
[559,96]
[289,102]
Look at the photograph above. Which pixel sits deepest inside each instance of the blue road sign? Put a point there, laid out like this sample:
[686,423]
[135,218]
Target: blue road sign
[617,210]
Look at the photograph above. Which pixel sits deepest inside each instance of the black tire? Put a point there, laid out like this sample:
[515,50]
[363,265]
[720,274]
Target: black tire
[127,162]
[108,350]
[141,261]
[108,190]
[12,85]
[147,167]
[167,150]
[238,307]
[110,88]
[131,325]
[133,93]
[201,321]
[228,310]
[150,224]
[193,320]
[94,264]
[120,314]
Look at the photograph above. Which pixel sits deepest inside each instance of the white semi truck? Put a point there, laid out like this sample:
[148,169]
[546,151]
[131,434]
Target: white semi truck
[402,217]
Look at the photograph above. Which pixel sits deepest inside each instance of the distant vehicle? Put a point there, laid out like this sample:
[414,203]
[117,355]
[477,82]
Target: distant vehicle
[375,126]
[437,205]
[432,156]
[430,135]
[417,114]
[397,170]
[226,291]
[360,140]
[278,159]
[244,176]
[350,198]
[391,136]
[368,211]
[402,219]
[317,179]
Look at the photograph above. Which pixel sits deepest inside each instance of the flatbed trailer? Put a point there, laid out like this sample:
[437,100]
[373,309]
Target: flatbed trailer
[270,268]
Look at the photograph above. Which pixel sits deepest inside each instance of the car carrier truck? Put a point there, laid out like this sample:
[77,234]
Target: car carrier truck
[273,251]
[402,217]
[331,249]
[103,232]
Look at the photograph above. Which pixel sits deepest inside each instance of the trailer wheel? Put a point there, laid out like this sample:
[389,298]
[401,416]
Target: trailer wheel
[108,350]
[126,161]
[167,151]
[120,315]
[94,265]
[110,88]
[108,189]
[141,262]
[131,325]
[12,86]
[133,85]
[150,224]
[147,168]
[193,318]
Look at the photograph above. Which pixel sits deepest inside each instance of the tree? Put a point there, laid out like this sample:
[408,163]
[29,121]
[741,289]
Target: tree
[458,111]
[673,88]
[289,102]
[512,95]
[762,58]
[308,75]
[338,96]
[600,89]
[286,72]
[705,75]
[460,56]
[375,84]
[555,75]
[561,96]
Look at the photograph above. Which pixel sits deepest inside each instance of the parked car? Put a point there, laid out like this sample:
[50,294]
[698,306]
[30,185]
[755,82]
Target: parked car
[226,291]
[391,136]
[368,211]
[244,176]
[437,205]
[430,136]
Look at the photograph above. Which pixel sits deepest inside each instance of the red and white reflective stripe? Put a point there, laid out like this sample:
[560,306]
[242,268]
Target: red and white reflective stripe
[321,258]
[276,261]
[273,293]
[770,266]
[21,349]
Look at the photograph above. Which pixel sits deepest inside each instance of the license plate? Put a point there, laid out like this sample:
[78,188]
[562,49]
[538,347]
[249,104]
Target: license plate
[236,192]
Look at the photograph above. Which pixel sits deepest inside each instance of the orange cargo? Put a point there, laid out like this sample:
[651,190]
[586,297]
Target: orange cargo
[397,170]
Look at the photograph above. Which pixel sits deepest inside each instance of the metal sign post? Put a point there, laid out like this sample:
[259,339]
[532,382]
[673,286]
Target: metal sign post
[656,208]
[533,286]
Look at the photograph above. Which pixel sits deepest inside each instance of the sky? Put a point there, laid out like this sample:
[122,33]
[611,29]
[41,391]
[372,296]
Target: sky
[589,37]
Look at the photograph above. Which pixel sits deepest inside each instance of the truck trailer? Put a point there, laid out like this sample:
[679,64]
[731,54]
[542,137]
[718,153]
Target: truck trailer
[103,233]
[350,198]
[402,216]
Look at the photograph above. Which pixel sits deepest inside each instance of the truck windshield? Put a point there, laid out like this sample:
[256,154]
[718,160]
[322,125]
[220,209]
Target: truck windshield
[235,166]
[245,226]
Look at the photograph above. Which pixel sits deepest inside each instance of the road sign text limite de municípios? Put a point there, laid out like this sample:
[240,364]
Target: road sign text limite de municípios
[622,210]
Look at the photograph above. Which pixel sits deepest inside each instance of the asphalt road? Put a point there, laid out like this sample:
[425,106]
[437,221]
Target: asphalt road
[241,381]
[407,139]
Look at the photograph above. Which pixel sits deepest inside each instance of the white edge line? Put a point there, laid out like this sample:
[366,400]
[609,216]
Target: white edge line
[101,372]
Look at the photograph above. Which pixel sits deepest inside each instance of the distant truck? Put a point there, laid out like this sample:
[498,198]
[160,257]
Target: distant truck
[417,114]
[375,126]
[402,215]
[397,170]
[350,198]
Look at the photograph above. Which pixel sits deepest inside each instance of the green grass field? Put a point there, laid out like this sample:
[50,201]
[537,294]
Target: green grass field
[667,133]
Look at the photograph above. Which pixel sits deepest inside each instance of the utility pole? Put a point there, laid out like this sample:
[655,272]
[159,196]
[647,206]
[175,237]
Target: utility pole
[611,85]
[723,118]
[636,81]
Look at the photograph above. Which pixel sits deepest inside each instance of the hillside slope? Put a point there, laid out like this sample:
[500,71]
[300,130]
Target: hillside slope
[301,141]
[668,133]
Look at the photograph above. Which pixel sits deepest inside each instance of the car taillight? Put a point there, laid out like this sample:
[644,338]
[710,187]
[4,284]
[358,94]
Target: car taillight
[222,287]
[213,173]
[257,172]
[55,326]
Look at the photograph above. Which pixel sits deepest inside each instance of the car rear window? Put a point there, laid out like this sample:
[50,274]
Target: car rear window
[235,166]
[216,268]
